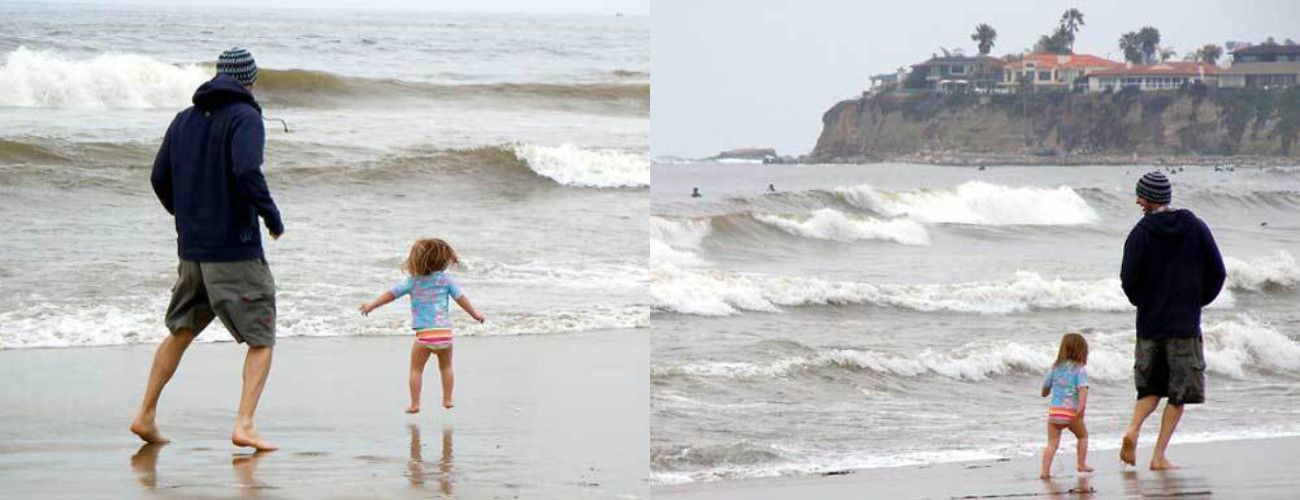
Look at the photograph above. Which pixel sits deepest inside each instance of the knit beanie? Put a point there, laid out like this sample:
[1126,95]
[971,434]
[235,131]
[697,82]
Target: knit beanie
[1154,187]
[238,63]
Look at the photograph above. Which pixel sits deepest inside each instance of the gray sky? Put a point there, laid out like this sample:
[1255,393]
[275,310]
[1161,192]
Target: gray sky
[735,73]
[635,7]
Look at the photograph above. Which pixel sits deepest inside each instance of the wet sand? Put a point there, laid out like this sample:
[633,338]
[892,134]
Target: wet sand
[554,416]
[1263,468]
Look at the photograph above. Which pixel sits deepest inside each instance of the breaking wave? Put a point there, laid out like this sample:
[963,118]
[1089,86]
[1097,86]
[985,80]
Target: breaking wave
[45,79]
[719,293]
[574,166]
[829,224]
[1275,273]
[977,203]
[1235,348]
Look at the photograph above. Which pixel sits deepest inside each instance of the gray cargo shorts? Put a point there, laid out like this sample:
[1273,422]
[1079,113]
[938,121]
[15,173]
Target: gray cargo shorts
[241,294]
[1171,368]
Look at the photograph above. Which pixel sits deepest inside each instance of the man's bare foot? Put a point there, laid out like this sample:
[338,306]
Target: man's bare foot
[446,403]
[413,409]
[1161,464]
[1044,476]
[1128,452]
[245,436]
[148,432]
[1086,468]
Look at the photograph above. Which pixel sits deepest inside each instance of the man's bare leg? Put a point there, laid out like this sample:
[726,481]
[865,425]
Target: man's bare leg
[1168,422]
[257,365]
[165,361]
[1141,410]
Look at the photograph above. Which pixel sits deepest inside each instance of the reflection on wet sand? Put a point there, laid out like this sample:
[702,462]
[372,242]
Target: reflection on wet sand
[145,464]
[245,467]
[1065,488]
[416,466]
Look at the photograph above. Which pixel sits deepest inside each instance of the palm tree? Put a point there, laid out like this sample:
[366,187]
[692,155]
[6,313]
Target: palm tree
[985,35]
[1071,21]
[1131,44]
[1149,39]
[1167,53]
[1209,54]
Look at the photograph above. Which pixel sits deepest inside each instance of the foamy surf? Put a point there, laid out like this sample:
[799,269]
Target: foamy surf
[830,224]
[44,79]
[1263,274]
[720,293]
[1241,348]
[977,203]
[571,165]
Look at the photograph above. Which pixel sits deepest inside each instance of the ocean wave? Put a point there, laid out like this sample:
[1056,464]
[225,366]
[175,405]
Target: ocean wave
[1275,273]
[41,79]
[829,224]
[49,325]
[1235,348]
[720,293]
[574,166]
[977,203]
[46,79]
[683,464]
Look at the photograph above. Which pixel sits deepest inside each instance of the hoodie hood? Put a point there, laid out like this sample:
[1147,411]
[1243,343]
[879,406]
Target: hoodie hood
[1170,224]
[223,90]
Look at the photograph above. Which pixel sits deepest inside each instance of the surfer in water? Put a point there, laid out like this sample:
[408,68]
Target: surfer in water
[771,188]
[695,193]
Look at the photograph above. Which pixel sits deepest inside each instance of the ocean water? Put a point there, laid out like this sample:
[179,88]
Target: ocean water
[883,315]
[522,140]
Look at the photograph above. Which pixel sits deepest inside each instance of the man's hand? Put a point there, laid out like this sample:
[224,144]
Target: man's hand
[276,236]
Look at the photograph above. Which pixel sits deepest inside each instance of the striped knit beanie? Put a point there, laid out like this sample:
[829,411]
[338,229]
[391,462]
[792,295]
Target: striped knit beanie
[1154,187]
[238,63]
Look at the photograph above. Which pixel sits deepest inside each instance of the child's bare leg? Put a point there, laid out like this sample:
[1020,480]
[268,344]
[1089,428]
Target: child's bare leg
[448,379]
[1081,433]
[1053,441]
[419,356]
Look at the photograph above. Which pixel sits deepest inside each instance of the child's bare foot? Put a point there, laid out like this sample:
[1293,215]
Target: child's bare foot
[1161,464]
[148,432]
[1128,452]
[245,436]
[446,403]
[413,409]
[1044,476]
[1086,468]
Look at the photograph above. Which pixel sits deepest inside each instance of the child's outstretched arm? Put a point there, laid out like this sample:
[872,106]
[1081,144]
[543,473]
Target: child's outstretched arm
[377,303]
[463,302]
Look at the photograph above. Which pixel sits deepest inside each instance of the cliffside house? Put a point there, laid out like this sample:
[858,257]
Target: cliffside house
[1048,71]
[951,73]
[1165,75]
[1266,65]
[886,82]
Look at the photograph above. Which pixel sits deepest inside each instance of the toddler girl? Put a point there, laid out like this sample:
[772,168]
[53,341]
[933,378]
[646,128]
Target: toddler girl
[1067,384]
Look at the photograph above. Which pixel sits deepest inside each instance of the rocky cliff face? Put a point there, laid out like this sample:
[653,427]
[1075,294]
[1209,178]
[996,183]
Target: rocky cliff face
[1194,121]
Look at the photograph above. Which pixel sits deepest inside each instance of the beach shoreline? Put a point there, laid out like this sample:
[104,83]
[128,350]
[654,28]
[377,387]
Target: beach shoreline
[549,416]
[1247,468]
[969,159]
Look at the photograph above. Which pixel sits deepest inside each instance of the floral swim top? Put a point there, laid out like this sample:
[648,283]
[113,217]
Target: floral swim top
[430,296]
[1065,380]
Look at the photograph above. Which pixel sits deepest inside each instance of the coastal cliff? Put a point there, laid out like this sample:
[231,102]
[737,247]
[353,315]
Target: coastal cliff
[1221,124]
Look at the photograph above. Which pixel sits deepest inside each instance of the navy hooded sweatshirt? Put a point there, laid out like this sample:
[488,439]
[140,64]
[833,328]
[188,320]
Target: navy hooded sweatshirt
[1172,268]
[208,174]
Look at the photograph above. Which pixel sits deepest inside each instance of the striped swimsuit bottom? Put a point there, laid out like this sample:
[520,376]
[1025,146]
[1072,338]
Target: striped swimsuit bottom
[434,339]
[1060,415]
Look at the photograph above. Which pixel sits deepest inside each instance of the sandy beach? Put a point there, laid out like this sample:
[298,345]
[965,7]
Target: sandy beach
[1226,469]
[537,417]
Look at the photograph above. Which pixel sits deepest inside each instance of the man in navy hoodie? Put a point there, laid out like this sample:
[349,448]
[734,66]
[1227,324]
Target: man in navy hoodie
[1172,268]
[208,175]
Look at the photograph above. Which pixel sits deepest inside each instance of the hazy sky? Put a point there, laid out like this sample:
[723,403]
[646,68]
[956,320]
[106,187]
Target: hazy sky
[641,7]
[734,73]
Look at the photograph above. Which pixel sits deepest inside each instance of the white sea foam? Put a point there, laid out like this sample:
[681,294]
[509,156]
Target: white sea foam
[571,165]
[1277,271]
[978,203]
[43,79]
[1235,348]
[720,293]
[681,233]
[830,224]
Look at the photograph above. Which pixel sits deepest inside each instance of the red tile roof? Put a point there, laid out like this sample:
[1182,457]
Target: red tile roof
[1167,68]
[1047,60]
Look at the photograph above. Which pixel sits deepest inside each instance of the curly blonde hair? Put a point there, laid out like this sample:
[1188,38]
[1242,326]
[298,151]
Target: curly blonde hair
[428,256]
